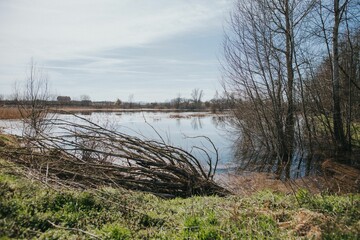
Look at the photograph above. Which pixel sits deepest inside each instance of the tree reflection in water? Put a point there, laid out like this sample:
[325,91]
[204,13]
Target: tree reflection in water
[196,123]
[302,164]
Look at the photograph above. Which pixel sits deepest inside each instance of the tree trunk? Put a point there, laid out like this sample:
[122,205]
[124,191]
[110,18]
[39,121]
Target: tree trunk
[289,127]
[338,124]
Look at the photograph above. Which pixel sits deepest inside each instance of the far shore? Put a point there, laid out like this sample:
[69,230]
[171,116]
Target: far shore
[8,113]
[84,109]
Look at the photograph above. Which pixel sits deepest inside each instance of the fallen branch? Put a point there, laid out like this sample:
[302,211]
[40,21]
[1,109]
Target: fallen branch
[345,176]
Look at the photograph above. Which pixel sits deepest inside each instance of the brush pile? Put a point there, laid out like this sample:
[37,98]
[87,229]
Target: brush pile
[89,155]
[341,177]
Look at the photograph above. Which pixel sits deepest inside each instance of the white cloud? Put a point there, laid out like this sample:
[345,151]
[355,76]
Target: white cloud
[46,29]
[72,40]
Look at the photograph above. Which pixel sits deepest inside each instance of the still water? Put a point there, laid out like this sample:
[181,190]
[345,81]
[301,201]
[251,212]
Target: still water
[178,129]
[184,130]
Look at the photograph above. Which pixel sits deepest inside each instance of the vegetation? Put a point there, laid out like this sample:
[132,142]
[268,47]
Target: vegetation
[287,64]
[80,183]
[64,103]
[10,113]
[86,154]
[33,210]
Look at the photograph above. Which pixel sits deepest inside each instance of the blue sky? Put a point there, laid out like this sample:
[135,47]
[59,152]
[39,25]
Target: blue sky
[109,49]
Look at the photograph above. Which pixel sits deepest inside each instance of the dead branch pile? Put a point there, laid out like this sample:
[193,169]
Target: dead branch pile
[344,177]
[89,155]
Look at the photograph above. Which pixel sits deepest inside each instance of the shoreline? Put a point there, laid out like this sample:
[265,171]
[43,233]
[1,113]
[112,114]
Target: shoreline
[13,113]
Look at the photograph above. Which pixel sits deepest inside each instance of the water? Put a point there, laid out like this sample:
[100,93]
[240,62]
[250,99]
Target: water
[184,130]
[178,129]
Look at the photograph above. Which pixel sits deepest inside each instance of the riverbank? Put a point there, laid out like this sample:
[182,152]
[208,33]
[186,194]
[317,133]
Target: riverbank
[30,209]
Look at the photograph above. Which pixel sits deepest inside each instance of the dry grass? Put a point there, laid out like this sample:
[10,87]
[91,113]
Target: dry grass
[253,182]
[10,113]
[181,115]
[248,184]
[90,109]
[344,177]
[178,116]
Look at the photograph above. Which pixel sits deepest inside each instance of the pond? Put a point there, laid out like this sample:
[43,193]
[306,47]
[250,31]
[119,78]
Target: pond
[184,130]
[179,129]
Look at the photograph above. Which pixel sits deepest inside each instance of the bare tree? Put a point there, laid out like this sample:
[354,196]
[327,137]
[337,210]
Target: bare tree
[340,10]
[85,97]
[260,71]
[85,100]
[338,124]
[196,96]
[177,101]
[291,68]
[338,21]
[131,100]
[32,100]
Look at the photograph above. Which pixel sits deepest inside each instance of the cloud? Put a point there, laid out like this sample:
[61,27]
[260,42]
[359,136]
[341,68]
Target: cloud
[132,40]
[52,29]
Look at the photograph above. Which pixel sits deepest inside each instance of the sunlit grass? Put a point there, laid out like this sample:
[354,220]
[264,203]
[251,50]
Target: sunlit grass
[355,133]
[29,209]
[323,124]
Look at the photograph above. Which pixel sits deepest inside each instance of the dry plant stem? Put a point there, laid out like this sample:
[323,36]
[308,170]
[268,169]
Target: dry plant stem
[75,229]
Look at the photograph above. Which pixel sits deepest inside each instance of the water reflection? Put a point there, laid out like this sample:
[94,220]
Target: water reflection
[180,130]
[301,164]
[196,123]
[219,121]
[178,122]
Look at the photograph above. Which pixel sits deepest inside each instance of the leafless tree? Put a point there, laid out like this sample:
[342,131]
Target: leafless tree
[32,98]
[85,97]
[196,96]
[177,101]
[260,71]
[85,100]
[335,26]
[131,100]
[335,17]
[291,68]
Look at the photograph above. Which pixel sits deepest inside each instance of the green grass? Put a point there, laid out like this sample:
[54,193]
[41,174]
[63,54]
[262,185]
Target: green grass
[355,133]
[354,128]
[29,210]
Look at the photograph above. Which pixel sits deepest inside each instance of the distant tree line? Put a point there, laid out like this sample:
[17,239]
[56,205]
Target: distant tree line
[195,103]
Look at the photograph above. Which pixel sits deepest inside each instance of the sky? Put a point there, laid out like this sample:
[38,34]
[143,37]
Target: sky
[109,49]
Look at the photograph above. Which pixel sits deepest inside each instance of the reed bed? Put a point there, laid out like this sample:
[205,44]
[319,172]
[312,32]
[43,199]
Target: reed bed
[10,113]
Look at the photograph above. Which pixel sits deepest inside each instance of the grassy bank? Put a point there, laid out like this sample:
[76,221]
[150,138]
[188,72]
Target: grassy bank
[29,209]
